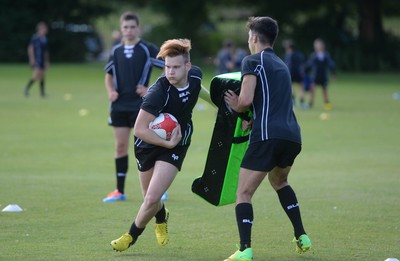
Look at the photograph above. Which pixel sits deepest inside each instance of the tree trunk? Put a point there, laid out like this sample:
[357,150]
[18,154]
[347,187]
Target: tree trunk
[370,33]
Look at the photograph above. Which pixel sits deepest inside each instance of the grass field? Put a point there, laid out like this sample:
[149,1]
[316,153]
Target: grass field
[58,165]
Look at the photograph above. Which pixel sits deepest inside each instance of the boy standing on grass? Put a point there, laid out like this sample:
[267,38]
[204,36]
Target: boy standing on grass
[319,64]
[127,77]
[275,138]
[38,54]
[294,59]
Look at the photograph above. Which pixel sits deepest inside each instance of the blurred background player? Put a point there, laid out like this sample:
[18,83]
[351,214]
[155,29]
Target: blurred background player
[116,37]
[127,77]
[306,89]
[294,60]
[38,54]
[319,64]
[229,58]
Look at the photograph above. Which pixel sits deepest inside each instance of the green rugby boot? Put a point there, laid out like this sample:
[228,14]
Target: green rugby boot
[303,244]
[245,255]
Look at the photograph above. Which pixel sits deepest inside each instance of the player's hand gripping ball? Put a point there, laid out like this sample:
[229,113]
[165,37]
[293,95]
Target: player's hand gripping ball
[163,125]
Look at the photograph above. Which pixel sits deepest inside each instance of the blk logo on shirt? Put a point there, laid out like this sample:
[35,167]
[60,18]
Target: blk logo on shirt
[184,96]
[128,52]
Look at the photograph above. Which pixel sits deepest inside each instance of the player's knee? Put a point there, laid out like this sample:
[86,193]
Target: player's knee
[150,200]
[277,181]
[121,149]
[243,195]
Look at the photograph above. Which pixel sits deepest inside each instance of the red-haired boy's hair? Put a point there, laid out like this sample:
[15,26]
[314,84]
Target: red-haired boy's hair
[176,47]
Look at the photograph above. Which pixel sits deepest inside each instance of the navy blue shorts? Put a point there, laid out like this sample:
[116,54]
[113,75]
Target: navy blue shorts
[123,118]
[297,78]
[307,83]
[38,65]
[146,157]
[321,82]
[266,155]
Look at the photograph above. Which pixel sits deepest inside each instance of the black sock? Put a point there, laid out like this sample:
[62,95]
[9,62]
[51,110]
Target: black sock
[121,165]
[289,203]
[160,216]
[28,86]
[42,93]
[135,232]
[244,219]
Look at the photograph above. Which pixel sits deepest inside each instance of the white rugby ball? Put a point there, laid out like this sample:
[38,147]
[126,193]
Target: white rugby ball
[163,125]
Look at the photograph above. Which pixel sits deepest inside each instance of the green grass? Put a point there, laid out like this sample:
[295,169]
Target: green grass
[58,165]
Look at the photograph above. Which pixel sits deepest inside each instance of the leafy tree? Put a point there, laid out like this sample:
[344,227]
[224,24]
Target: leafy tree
[19,19]
[352,30]
[379,49]
[186,19]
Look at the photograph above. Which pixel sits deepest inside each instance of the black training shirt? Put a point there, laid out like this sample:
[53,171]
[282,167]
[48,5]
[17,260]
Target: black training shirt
[164,97]
[130,66]
[272,104]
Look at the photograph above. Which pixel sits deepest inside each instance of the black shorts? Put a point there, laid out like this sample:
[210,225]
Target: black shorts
[297,78]
[321,82]
[266,155]
[38,64]
[123,118]
[146,157]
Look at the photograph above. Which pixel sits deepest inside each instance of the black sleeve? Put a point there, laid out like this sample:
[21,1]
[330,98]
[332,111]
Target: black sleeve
[110,64]
[153,54]
[249,65]
[153,50]
[154,100]
[196,72]
[331,63]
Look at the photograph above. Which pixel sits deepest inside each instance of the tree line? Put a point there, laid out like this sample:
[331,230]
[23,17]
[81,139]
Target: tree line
[353,30]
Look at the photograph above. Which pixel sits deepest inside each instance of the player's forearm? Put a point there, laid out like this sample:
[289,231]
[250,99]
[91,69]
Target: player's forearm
[30,54]
[47,57]
[205,95]
[109,84]
[149,136]
[246,95]
[242,105]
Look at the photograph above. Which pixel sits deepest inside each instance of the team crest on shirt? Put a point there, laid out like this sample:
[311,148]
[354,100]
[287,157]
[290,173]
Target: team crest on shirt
[128,52]
[184,95]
